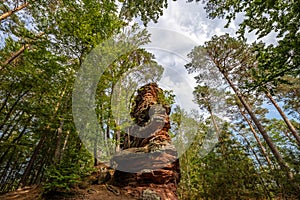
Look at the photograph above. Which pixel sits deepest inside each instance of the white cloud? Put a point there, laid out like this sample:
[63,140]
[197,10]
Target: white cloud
[190,19]
[176,78]
[182,27]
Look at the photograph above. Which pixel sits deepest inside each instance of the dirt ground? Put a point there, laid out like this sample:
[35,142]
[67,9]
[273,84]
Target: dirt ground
[95,192]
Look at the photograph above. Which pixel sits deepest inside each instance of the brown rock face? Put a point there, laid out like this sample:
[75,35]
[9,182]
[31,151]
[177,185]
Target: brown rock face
[148,163]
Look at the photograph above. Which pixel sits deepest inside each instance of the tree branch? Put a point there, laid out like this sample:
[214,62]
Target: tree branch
[9,13]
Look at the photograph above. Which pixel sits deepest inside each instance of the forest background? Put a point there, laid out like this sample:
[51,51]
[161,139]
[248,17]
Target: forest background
[44,44]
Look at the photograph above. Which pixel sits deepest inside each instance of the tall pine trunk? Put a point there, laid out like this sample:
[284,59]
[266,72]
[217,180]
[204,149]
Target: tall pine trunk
[259,126]
[284,117]
[262,148]
[217,129]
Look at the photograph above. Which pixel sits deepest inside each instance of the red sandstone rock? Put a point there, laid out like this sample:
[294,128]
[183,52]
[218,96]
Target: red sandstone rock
[148,163]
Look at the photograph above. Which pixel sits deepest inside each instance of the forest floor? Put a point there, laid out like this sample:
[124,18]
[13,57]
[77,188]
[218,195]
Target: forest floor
[94,192]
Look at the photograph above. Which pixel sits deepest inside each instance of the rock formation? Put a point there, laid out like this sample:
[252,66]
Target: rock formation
[147,166]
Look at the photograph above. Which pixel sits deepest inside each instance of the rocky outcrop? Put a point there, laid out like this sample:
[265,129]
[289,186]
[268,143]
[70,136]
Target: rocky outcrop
[148,167]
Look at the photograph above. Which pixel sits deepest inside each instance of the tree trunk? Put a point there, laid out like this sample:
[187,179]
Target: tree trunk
[8,131]
[28,169]
[217,129]
[65,144]
[8,93]
[96,150]
[259,126]
[5,169]
[57,152]
[10,112]
[9,13]
[187,171]
[262,148]
[14,141]
[284,117]
[118,132]
[25,175]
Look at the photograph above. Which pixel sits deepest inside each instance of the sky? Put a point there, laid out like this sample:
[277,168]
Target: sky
[182,27]
[190,19]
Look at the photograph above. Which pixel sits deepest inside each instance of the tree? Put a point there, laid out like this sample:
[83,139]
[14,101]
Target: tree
[289,92]
[230,57]
[38,69]
[285,118]
[204,97]
[228,174]
[10,12]
[147,10]
[266,17]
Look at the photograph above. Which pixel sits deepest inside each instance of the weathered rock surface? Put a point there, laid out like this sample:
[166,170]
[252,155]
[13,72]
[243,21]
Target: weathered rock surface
[148,167]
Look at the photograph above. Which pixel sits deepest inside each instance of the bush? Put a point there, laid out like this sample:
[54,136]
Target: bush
[65,175]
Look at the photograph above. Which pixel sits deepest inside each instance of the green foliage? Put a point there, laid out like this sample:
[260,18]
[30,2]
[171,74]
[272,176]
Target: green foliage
[60,178]
[217,175]
[266,17]
[233,61]
[63,176]
[166,98]
[289,93]
[46,44]
[39,142]
[147,10]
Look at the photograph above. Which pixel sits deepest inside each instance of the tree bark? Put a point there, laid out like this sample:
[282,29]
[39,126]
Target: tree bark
[65,143]
[96,150]
[14,141]
[10,112]
[8,93]
[5,169]
[25,176]
[284,117]
[8,131]
[118,132]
